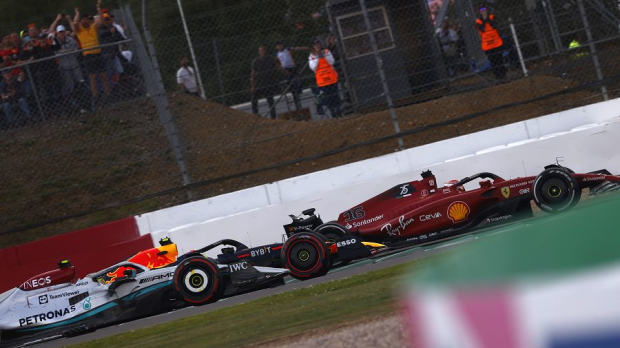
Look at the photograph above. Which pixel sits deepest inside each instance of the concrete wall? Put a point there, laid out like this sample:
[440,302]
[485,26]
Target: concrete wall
[91,249]
[584,149]
[384,166]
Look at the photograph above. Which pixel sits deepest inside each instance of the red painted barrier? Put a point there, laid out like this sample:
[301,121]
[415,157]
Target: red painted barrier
[89,250]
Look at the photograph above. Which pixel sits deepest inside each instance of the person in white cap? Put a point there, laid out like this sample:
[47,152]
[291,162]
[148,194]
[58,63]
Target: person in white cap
[69,65]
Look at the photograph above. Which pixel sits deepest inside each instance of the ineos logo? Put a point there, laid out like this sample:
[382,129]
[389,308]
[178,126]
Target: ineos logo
[35,283]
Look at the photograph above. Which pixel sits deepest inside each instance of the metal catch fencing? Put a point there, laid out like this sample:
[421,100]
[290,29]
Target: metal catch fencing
[408,73]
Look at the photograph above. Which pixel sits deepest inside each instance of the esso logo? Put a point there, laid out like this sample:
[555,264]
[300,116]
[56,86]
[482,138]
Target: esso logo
[524,191]
[346,242]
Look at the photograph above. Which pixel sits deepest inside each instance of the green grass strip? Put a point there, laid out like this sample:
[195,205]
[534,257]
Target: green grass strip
[328,304]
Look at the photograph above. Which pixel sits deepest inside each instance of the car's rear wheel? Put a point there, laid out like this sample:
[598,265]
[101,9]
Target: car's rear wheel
[198,281]
[306,255]
[556,190]
[334,232]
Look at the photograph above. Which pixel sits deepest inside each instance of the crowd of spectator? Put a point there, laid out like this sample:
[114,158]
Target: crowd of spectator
[61,69]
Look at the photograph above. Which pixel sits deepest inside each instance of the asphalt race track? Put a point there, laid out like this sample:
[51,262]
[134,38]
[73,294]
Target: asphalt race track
[378,262]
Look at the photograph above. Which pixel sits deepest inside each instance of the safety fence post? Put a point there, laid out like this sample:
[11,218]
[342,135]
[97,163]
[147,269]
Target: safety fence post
[157,92]
[597,64]
[384,82]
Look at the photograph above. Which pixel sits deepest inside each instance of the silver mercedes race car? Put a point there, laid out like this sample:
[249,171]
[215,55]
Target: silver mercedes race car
[153,281]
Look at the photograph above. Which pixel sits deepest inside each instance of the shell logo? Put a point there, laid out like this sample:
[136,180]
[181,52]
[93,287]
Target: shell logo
[458,211]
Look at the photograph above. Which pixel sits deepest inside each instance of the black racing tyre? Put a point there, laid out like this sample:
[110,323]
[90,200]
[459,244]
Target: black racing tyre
[198,281]
[306,255]
[556,190]
[334,232]
[560,167]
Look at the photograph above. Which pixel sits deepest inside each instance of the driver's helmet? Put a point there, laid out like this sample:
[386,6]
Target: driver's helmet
[459,188]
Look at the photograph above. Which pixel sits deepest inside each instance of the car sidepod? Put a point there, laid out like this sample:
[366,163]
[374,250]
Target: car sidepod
[243,276]
[350,248]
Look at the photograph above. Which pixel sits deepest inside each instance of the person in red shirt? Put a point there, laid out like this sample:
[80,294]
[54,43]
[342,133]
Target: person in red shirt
[492,43]
[5,46]
[16,41]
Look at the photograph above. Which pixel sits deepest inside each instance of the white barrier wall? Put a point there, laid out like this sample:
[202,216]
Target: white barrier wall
[584,149]
[360,172]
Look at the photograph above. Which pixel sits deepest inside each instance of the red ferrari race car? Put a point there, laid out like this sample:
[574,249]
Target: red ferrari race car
[420,212]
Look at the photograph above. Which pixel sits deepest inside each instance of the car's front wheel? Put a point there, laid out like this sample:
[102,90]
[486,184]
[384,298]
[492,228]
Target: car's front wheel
[556,190]
[198,281]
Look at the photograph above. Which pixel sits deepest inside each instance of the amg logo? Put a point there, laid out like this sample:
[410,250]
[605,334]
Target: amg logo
[236,267]
[157,277]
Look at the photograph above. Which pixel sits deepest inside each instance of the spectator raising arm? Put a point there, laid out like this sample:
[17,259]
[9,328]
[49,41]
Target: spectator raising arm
[52,29]
[75,24]
[70,21]
[98,19]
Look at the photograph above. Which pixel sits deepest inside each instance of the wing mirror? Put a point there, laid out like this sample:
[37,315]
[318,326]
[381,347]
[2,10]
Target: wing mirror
[229,250]
[309,211]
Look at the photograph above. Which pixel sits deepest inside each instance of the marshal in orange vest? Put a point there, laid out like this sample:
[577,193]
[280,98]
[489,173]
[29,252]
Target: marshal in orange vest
[489,33]
[325,73]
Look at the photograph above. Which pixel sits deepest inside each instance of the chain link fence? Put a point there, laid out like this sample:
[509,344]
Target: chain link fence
[84,144]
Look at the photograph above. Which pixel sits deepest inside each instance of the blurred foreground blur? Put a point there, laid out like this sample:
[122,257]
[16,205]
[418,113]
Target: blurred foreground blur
[550,282]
